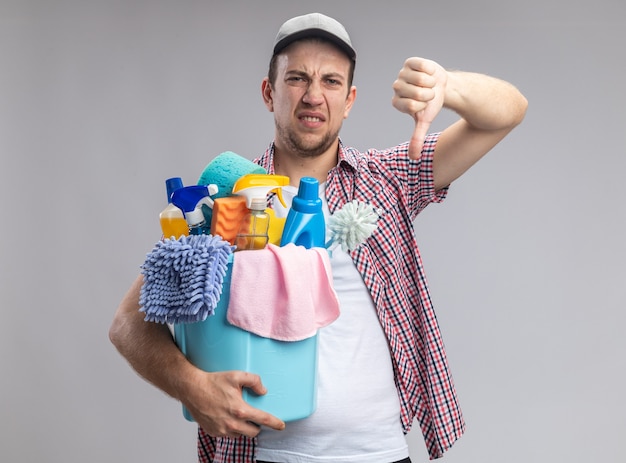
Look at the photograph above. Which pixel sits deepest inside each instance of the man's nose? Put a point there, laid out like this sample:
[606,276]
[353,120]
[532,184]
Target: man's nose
[314,95]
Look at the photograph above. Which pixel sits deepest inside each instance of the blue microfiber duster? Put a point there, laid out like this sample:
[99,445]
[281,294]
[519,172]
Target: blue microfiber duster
[183,278]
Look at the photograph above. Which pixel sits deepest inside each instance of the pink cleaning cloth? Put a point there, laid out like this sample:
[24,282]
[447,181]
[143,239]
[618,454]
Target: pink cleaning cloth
[284,293]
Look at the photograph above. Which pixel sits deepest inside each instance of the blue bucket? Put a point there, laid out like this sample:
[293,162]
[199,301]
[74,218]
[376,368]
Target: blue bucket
[287,369]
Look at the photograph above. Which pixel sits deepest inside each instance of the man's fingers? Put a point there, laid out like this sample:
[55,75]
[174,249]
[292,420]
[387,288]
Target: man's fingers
[253,416]
[419,91]
[220,410]
[252,382]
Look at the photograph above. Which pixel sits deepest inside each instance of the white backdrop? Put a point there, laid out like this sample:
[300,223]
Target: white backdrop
[100,101]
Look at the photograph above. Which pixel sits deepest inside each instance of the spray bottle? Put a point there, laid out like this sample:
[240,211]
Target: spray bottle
[305,225]
[253,232]
[172,219]
[190,200]
[260,225]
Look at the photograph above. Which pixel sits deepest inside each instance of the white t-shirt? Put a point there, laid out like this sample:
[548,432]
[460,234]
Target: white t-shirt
[357,418]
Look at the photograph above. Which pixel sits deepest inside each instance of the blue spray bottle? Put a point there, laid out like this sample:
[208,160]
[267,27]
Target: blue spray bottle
[305,225]
[190,200]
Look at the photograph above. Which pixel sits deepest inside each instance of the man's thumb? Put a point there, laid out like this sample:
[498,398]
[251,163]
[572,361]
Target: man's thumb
[417,139]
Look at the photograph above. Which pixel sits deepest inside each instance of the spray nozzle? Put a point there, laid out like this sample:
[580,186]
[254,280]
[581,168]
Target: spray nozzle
[259,185]
[190,199]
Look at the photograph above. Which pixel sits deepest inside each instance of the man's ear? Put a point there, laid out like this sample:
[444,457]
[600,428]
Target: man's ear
[350,101]
[266,92]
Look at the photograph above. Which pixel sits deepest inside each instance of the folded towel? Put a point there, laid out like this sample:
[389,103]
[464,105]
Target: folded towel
[183,278]
[284,293]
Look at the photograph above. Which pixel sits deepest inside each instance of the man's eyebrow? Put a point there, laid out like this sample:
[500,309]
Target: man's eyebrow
[331,74]
[334,75]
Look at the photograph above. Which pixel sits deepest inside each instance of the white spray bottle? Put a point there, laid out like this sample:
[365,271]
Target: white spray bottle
[260,225]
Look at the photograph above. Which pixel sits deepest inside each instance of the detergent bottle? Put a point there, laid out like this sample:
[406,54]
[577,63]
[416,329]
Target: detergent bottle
[255,188]
[190,200]
[172,219]
[305,224]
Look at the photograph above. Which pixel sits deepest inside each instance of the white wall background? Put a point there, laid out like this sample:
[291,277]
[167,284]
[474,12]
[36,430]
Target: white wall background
[100,101]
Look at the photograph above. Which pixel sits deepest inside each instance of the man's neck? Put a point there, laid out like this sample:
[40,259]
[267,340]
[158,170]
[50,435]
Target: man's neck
[295,167]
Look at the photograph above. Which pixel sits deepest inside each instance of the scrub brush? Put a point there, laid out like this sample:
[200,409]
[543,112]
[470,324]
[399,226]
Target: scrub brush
[183,278]
[351,225]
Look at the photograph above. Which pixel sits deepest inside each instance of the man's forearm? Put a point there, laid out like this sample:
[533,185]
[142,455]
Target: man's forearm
[149,347]
[485,102]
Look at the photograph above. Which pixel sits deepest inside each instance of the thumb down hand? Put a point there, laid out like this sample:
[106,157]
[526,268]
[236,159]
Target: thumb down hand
[419,91]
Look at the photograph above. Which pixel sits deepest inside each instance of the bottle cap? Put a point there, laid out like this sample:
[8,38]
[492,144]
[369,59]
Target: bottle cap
[172,184]
[258,204]
[307,200]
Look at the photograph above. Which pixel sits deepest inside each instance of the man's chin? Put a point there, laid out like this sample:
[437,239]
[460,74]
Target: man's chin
[312,148]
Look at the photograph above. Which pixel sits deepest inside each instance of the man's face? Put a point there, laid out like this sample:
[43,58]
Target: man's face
[310,97]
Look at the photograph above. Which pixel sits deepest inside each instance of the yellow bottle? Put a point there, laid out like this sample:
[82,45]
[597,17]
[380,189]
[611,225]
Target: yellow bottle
[172,219]
[173,223]
[277,224]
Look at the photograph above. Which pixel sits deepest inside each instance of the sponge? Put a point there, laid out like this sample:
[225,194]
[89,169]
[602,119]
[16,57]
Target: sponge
[228,215]
[225,169]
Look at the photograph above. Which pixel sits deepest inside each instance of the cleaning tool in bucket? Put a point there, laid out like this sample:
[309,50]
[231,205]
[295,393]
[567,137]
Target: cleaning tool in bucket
[190,200]
[290,299]
[172,219]
[255,189]
[351,225]
[277,224]
[183,279]
[228,214]
[223,171]
[253,232]
[259,185]
[305,223]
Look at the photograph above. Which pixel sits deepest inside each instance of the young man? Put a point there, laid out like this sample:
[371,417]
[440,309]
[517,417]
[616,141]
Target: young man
[382,362]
